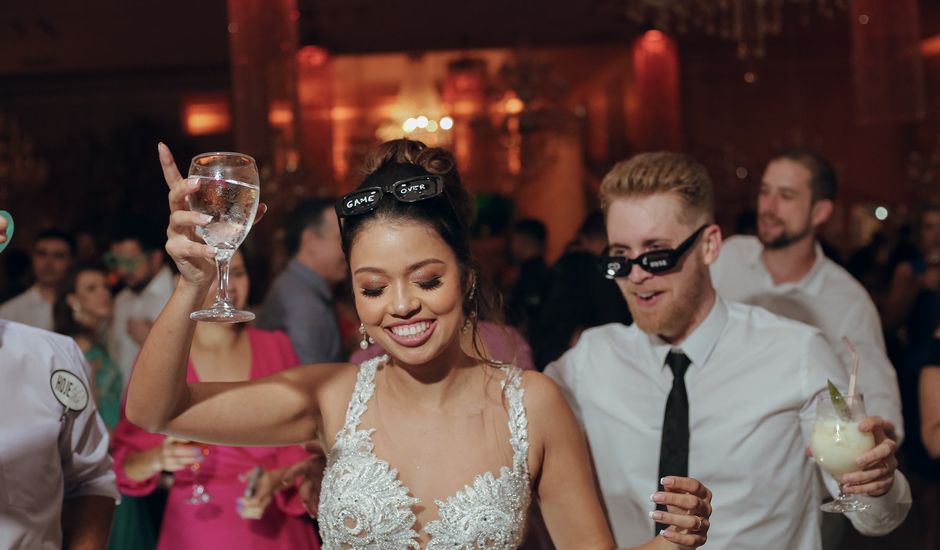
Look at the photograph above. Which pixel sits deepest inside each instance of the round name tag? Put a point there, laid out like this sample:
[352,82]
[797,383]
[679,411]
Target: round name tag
[69,390]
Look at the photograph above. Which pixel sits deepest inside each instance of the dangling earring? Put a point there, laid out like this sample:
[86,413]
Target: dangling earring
[473,290]
[468,322]
[366,339]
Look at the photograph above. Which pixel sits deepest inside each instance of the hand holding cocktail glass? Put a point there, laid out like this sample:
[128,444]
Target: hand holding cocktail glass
[211,213]
[852,447]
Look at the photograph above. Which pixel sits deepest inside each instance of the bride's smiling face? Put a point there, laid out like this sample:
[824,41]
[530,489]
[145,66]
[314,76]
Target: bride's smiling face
[408,289]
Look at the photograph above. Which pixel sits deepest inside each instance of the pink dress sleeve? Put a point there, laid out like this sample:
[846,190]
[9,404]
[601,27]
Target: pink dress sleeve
[128,438]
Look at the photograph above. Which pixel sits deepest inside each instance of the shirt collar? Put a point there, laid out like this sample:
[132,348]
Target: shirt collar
[161,284]
[311,278]
[811,283]
[697,346]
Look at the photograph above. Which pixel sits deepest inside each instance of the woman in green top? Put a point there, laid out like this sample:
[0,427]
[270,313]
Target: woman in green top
[82,310]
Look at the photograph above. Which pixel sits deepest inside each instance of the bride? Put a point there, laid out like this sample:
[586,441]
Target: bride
[433,446]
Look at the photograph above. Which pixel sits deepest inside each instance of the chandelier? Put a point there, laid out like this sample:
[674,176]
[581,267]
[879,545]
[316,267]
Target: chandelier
[746,22]
[418,112]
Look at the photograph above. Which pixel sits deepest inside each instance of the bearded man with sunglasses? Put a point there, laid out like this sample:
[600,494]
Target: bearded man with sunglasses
[700,387]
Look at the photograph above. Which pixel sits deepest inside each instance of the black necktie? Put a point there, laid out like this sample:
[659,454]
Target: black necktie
[674,448]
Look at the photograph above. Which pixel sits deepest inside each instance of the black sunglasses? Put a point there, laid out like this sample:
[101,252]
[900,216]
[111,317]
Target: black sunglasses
[654,261]
[366,200]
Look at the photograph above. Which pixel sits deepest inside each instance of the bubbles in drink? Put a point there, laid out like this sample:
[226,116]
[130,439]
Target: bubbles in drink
[232,205]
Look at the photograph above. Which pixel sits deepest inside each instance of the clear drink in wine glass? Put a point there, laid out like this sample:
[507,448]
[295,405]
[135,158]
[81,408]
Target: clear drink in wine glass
[837,442]
[228,191]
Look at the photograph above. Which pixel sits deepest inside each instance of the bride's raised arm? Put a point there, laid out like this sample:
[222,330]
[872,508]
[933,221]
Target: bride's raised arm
[280,409]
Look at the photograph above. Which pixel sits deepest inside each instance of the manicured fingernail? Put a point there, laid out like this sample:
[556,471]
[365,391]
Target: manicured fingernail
[211,250]
[667,481]
[205,218]
[656,514]
[665,533]
[658,497]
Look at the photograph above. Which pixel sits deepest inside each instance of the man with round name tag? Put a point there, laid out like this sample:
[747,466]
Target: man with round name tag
[57,488]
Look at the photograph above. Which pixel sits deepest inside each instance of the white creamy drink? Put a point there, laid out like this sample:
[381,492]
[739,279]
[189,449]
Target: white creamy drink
[837,443]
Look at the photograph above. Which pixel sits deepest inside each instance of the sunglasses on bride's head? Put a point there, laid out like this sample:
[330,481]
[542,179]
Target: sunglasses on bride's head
[654,261]
[362,201]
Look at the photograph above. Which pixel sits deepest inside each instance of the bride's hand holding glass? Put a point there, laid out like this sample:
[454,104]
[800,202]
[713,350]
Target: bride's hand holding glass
[194,259]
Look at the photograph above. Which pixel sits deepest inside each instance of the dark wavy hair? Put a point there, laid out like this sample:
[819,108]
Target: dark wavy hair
[63,319]
[448,215]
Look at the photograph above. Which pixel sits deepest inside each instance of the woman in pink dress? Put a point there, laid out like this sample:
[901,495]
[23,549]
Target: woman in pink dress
[208,506]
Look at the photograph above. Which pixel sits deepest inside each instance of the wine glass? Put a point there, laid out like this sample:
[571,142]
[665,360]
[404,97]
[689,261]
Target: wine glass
[199,496]
[837,442]
[228,191]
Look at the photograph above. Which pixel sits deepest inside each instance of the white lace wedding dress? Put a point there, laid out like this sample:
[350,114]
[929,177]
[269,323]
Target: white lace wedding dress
[364,506]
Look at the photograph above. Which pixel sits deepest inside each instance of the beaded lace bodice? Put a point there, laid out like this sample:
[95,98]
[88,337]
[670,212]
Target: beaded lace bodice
[364,506]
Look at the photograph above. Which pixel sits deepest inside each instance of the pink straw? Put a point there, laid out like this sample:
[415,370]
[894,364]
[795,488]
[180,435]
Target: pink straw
[854,375]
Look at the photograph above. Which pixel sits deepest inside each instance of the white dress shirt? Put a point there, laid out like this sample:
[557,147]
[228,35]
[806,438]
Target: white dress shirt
[147,304]
[47,453]
[28,308]
[751,386]
[828,298]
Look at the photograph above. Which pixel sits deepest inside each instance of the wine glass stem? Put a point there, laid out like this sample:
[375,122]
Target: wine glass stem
[223,259]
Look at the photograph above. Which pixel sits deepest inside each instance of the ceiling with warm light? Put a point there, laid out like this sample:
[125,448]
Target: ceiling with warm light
[62,36]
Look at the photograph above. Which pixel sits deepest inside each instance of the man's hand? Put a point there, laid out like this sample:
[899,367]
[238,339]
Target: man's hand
[877,466]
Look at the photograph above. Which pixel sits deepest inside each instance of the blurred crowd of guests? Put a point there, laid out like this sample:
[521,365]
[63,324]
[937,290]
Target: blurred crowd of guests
[176,494]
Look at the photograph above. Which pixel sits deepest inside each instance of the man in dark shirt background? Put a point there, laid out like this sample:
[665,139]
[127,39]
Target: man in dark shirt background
[300,302]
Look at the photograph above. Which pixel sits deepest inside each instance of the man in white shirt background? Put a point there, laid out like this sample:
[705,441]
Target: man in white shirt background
[137,257]
[784,270]
[699,387]
[52,255]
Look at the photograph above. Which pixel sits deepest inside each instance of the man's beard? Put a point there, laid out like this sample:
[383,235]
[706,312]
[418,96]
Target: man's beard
[784,239]
[139,286]
[670,320]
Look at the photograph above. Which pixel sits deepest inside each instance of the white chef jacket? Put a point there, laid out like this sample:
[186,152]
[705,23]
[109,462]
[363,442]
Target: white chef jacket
[48,453]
